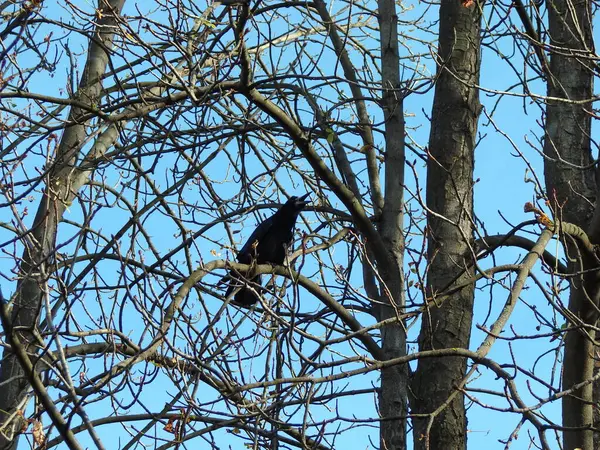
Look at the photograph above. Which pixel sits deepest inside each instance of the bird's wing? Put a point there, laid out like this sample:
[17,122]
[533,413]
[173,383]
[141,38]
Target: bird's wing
[260,232]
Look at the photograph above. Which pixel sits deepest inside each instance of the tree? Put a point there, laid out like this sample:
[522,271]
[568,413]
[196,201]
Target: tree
[151,139]
[450,226]
[572,182]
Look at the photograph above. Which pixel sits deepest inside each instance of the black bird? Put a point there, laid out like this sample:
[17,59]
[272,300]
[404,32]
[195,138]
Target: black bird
[267,245]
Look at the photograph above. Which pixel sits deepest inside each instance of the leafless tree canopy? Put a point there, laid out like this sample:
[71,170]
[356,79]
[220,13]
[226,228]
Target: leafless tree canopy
[441,286]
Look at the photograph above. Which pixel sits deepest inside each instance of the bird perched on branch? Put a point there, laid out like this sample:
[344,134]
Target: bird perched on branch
[267,245]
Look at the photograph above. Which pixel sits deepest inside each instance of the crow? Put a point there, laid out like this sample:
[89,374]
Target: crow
[267,245]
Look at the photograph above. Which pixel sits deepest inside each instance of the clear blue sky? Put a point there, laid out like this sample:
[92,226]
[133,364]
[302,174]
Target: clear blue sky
[501,188]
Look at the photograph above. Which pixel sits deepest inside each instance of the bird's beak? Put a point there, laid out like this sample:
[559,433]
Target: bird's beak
[304,200]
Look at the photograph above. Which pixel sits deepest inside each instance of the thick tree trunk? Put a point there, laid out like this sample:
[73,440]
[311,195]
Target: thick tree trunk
[449,194]
[571,188]
[36,264]
[393,393]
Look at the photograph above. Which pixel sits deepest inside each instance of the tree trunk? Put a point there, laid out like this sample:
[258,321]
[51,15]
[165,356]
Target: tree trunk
[450,201]
[393,393]
[36,264]
[571,189]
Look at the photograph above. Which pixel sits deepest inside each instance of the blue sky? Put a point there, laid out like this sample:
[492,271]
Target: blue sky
[501,187]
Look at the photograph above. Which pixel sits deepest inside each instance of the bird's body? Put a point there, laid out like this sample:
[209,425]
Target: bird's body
[267,245]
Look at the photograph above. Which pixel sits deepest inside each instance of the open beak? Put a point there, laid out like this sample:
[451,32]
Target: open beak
[303,201]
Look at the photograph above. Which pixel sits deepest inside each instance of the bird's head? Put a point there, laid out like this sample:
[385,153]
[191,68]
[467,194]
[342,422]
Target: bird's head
[298,203]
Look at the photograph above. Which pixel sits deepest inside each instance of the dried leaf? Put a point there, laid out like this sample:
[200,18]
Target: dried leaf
[39,437]
[169,426]
[24,425]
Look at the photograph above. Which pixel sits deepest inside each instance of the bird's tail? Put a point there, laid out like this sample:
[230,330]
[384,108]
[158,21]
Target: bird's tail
[245,296]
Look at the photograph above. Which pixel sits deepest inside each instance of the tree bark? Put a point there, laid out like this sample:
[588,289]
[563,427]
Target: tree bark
[393,393]
[450,202]
[571,188]
[36,263]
